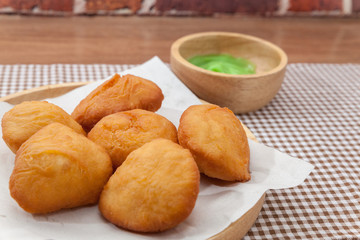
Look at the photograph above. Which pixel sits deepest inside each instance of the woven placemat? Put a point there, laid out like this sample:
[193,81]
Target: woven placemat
[315,117]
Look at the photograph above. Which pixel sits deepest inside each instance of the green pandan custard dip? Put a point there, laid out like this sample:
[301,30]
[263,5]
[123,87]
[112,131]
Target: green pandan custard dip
[224,63]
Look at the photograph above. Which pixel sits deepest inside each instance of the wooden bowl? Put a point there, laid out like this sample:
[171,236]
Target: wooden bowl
[240,93]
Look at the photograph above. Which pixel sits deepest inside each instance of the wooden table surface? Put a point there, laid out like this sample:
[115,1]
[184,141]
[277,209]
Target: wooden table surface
[133,40]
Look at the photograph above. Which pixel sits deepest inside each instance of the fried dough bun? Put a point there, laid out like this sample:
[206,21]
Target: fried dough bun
[123,132]
[153,190]
[217,140]
[57,168]
[26,118]
[115,95]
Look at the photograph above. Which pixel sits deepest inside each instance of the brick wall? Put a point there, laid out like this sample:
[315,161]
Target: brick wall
[183,7]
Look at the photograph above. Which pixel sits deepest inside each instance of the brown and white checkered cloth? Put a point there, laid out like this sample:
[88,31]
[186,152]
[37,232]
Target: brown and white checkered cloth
[315,117]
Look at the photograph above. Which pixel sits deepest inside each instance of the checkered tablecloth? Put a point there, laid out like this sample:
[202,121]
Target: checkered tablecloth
[315,117]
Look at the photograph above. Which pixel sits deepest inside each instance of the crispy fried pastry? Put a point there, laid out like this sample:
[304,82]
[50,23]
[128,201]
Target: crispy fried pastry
[57,168]
[26,118]
[123,132]
[153,190]
[217,140]
[116,95]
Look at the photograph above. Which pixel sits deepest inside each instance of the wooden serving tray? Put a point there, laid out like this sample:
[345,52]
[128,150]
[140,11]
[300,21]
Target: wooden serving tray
[235,230]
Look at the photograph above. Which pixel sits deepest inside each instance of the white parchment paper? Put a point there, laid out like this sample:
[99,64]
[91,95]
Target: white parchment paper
[216,208]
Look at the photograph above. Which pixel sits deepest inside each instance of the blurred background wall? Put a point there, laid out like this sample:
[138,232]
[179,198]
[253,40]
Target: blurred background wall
[316,8]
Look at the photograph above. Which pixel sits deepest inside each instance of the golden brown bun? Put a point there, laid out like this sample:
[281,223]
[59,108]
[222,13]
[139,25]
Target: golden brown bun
[153,190]
[57,168]
[116,95]
[217,140]
[123,132]
[26,118]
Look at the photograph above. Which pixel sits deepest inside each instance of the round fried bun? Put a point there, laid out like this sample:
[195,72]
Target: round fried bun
[57,168]
[154,190]
[217,140]
[123,132]
[120,93]
[26,118]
